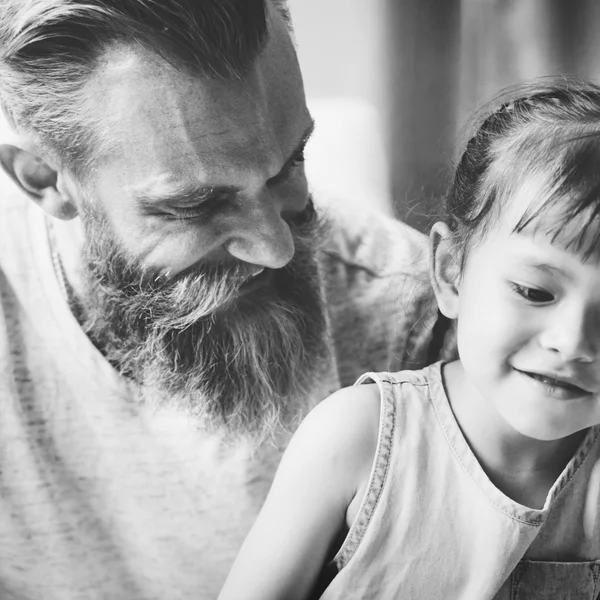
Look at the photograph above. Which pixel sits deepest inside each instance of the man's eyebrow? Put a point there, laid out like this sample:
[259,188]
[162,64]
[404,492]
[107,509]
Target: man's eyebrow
[154,198]
[296,152]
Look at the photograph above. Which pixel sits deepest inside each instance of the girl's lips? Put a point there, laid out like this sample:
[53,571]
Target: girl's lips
[555,385]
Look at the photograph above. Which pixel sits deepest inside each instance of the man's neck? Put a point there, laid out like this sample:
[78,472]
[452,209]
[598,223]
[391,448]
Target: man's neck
[67,240]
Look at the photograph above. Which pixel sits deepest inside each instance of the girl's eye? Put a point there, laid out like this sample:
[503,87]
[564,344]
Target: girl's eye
[533,295]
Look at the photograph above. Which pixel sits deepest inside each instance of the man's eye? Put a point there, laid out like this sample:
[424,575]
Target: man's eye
[189,213]
[533,295]
[201,209]
[289,170]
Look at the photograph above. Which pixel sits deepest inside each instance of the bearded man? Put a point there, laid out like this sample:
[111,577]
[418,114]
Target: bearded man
[171,301]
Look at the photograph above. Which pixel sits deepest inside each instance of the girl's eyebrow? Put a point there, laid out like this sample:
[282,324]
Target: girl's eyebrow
[550,269]
[546,268]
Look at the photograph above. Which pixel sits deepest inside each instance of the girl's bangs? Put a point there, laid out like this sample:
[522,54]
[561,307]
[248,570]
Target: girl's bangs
[567,208]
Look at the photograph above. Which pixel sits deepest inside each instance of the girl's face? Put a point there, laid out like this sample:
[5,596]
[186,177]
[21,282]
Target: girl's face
[529,328]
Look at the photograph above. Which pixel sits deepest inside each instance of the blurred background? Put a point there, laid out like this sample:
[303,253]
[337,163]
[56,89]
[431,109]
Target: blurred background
[392,83]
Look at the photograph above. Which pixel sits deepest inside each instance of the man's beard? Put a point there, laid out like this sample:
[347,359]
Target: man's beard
[243,363]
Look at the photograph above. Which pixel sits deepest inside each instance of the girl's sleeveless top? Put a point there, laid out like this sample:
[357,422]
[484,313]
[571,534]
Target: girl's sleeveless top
[432,525]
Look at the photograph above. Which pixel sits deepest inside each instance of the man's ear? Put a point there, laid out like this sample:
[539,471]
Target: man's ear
[444,269]
[38,180]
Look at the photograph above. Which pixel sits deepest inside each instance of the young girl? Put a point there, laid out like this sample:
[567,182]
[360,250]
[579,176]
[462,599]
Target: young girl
[478,479]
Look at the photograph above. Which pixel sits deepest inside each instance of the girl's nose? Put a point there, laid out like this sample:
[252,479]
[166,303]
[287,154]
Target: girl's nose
[572,336]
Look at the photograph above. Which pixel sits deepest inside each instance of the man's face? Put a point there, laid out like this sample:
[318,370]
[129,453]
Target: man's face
[201,170]
[201,280]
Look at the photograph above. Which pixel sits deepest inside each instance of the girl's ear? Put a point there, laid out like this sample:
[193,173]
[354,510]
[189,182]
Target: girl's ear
[444,269]
[38,180]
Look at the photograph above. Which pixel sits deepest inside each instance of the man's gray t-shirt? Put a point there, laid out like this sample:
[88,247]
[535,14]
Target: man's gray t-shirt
[101,497]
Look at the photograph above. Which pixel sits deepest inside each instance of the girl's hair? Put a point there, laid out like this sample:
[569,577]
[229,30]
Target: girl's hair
[543,138]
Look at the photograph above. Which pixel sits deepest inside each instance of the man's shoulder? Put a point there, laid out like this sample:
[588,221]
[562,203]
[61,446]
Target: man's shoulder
[374,262]
[16,211]
[379,300]
[20,221]
[375,243]
[22,253]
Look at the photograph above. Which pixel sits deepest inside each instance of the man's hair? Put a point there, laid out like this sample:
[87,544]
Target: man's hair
[50,48]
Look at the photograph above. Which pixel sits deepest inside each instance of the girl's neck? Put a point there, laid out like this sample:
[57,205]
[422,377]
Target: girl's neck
[523,468]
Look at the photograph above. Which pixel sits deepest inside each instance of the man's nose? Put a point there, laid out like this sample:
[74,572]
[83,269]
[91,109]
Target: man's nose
[261,236]
[573,335]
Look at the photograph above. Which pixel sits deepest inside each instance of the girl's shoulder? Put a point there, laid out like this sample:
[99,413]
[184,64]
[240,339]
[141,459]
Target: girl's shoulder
[352,412]
[353,407]
[341,433]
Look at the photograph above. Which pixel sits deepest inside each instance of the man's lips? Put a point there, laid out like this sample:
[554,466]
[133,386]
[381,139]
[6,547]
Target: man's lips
[559,382]
[261,278]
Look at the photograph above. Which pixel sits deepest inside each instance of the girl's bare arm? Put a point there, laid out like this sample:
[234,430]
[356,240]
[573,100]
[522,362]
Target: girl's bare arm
[326,464]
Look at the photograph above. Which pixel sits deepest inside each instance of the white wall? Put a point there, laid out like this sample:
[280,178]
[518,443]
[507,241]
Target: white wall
[341,48]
